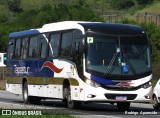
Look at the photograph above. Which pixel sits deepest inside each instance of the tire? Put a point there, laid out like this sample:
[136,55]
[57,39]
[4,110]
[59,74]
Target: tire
[123,106]
[156,105]
[29,99]
[72,104]
[26,98]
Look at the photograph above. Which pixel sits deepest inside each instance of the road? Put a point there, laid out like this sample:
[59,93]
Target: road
[94,110]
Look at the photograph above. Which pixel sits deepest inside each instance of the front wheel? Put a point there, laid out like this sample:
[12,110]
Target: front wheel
[69,102]
[123,106]
[156,105]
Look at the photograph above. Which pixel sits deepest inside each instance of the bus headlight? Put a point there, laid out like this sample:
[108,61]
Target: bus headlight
[91,83]
[146,85]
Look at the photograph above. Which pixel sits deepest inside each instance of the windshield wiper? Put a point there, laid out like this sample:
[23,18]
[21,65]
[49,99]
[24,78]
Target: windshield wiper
[107,73]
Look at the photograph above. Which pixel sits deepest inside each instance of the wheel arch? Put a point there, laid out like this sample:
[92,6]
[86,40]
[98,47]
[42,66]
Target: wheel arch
[66,83]
[24,79]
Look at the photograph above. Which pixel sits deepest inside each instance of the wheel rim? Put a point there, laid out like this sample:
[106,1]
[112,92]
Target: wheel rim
[25,92]
[69,97]
[154,101]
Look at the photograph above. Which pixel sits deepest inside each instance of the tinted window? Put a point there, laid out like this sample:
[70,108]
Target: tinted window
[17,48]
[33,46]
[66,44]
[54,41]
[43,48]
[24,48]
[11,49]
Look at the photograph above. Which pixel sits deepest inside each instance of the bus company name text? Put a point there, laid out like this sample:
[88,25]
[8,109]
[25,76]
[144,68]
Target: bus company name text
[21,70]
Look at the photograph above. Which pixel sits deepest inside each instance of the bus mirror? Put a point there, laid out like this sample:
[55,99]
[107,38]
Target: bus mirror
[10,43]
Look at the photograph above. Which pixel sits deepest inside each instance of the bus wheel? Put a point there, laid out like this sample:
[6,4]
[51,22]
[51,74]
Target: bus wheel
[123,106]
[29,99]
[71,103]
[25,93]
[156,105]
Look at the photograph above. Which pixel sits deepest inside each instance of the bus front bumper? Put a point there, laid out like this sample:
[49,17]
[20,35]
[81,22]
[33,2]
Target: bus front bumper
[101,94]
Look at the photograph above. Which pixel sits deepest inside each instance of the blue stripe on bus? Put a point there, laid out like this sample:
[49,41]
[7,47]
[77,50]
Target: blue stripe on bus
[23,33]
[103,80]
[34,68]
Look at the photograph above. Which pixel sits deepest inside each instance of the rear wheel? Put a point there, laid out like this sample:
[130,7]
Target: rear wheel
[156,105]
[123,106]
[29,99]
[26,98]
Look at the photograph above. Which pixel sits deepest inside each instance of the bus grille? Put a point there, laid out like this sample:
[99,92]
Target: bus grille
[113,96]
[121,88]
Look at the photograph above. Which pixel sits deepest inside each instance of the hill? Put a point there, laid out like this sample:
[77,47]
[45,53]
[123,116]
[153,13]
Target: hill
[153,8]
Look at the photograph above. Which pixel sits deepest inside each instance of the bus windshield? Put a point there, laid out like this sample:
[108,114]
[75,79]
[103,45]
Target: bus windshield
[117,55]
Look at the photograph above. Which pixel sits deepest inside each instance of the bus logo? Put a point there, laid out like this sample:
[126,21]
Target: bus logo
[51,66]
[124,84]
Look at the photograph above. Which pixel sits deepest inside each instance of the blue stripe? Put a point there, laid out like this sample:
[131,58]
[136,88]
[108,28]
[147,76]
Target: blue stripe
[23,33]
[103,80]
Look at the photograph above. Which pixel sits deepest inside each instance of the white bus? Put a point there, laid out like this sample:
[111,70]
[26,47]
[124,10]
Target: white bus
[81,62]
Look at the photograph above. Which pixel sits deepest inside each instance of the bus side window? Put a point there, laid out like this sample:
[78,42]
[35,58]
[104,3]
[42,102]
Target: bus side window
[17,48]
[54,41]
[66,44]
[77,53]
[33,46]
[11,49]
[43,48]
[24,48]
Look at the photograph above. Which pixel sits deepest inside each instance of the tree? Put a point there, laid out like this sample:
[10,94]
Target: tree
[141,2]
[3,18]
[14,5]
[122,4]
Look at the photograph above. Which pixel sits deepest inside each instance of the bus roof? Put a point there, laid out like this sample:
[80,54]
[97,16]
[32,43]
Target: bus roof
[23,33]
[113,29]
[98,27]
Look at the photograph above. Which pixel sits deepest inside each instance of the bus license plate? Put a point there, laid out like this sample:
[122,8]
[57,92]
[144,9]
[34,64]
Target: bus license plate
[121,98]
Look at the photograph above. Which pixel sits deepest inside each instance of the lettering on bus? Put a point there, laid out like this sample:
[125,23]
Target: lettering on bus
[21,70]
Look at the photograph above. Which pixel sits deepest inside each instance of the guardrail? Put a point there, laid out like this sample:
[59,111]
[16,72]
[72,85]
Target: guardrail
[138,17]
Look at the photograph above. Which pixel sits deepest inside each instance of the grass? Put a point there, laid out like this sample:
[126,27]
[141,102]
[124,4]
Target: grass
[153,8]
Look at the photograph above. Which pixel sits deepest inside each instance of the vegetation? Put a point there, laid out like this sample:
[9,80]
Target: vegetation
[125,4]
[17,15]
[34,18]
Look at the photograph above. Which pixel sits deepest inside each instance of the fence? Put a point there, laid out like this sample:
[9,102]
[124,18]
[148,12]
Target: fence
[139,17]
[3,72]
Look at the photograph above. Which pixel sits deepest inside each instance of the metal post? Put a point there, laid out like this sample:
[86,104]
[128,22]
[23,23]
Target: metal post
[145,18]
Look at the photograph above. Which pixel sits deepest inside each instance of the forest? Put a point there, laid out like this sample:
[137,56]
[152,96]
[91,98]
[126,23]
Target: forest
[17,15]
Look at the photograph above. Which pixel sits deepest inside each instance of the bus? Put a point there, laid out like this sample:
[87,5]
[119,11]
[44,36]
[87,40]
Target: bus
[81,62]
